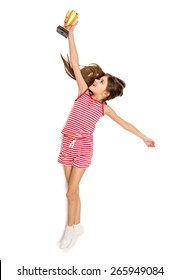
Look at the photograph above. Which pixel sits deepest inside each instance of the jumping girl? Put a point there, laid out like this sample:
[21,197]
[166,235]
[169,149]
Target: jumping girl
[94,88]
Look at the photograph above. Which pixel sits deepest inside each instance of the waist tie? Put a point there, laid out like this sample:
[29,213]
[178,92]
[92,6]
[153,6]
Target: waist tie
[74,139]
[71,145]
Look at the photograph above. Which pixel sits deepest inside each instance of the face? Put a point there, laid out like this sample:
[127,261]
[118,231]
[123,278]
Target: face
[99,87]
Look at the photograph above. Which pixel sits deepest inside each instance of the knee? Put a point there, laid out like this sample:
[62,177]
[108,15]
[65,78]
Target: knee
[72,195]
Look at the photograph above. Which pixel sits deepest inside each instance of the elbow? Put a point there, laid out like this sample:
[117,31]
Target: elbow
[127,126]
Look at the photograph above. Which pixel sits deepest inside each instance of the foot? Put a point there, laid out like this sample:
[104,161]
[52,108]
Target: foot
[67,237]
[78,230]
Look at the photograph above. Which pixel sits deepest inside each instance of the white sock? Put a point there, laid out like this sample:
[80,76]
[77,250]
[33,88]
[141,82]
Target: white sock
[69,228]
[77,226]
[67,237]
[78,230]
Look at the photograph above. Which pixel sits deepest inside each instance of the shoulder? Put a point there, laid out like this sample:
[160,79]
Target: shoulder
[107,109]
[110,112]
[84,92]
[115,117]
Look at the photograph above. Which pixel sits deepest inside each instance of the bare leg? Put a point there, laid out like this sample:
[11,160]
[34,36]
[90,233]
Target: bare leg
[78,211]
[67,171]
[73,229]
[73,177]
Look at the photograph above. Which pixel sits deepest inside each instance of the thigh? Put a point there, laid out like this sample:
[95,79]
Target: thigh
[67,172]
[75,178]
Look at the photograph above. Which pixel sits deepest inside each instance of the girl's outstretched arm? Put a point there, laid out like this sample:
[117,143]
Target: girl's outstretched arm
[128,126]
[74,59]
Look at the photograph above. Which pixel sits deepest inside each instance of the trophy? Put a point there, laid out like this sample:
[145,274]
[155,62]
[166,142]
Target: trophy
[70,19]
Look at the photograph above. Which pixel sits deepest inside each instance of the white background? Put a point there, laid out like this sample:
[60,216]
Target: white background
[130,201]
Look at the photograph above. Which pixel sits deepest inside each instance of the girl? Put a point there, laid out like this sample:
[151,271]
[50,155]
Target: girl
[94,88]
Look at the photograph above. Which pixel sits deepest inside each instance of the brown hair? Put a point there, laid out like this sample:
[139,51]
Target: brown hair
[115,86]
[93,71]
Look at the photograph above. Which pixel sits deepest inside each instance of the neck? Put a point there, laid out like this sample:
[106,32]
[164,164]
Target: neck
[92,95]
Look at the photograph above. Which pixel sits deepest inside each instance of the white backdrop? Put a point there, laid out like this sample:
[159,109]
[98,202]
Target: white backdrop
[130,201]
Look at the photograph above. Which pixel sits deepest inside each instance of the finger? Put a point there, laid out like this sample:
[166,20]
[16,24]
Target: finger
[75,23]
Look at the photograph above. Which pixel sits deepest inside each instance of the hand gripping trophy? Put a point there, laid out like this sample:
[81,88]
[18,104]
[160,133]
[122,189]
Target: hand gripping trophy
[70,19]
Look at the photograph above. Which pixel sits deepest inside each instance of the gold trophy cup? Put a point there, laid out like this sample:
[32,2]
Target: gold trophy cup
[70,19]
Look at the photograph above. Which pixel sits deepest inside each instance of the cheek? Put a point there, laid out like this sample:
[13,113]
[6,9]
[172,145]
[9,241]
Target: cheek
[104,87]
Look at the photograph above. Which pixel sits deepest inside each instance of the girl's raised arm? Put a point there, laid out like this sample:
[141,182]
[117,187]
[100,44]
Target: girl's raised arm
[74,60]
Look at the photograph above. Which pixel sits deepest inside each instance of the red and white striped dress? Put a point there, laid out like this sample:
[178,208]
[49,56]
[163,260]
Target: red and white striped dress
[80,125]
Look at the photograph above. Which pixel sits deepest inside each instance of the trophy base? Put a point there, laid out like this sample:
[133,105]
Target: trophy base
[61,30]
